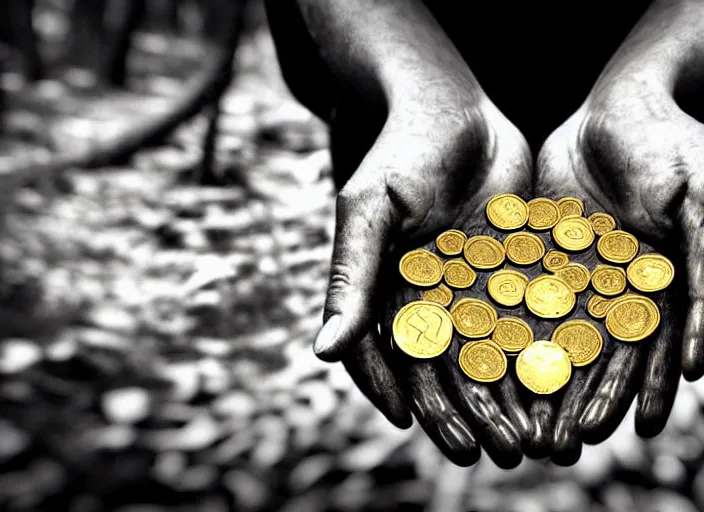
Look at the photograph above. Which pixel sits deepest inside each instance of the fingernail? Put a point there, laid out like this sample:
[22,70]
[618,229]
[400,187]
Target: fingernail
[328,335]
[593,414]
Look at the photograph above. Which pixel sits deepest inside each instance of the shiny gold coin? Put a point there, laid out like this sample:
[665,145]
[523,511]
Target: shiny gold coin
[573,233]
[483,361]
[512,334]
[473,318]
[617,246]
[608,281]
[484,252]
[570,206]
[421,268]
[524,248]
[451,242]
[598,306]
[549,297]
[543,367]
[575,275]
[507,211]
[441,294]
[632,318]
[422,329]
[458,274]
[581,340]
[507,287]
[650,272]
[602,223]
[543,213]
[555,260]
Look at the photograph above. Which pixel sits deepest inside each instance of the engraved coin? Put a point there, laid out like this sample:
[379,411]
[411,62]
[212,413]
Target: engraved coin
[421,268]
[650,272]
[573,233]
[451,242]
[602,223]
[484,252]
[507,287]
[422,329]
[632,318]
[570,206]
[507,211]
[524,248]
[543,367]
[483,361]
[617,246]
[608,281]
[555,260]
[549,297]
[598,306]
[441,294]
[543,213]
[581,340]
[512,334]
[458,274]
[473,318]
[575,275]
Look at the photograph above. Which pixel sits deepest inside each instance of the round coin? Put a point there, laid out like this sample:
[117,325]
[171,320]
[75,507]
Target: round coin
[507,211]
[422,329]
[581,340]
[543,367]
[441,294]
[451,242]
[573,233]
[421,267]
[549,297]
[484,252]
[650,272]
[483,361]
[608,281]
[543,213]
[512,334]
[524,248]
[617,246]
[602,223]
[598,306]
[507,287]
[632,318]
[575,275]
[473,318]
[570,206]
[555,260]
[458,274]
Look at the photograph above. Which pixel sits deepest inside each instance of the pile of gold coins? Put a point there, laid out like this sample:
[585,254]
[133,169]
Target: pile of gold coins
[425,328]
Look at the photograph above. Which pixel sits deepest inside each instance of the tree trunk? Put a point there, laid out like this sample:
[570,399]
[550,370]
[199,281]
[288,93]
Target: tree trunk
[113,69]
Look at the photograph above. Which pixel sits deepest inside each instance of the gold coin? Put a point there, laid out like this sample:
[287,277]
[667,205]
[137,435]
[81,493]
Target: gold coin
[549,297]
[507,211]
[484,252]
[422,329]
[598,306]
[602,223]
[524,248]
[570,206]
[650,272]
[575,275]
[617,246]
[473,318]
[421,268]
[581,340]
[543,213]
[483,361]
[632,318]
[458,274]
[451,242]
[573,233]
[441,294]
[512,334]
[507,287]
[555,260]
[543,367]
[608,281]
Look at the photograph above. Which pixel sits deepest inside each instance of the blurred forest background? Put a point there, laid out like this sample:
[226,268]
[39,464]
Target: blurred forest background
[166,219]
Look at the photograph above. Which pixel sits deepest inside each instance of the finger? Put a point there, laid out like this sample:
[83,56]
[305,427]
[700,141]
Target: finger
[369,370]
[693,341]
[542,416]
